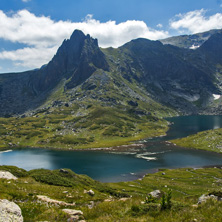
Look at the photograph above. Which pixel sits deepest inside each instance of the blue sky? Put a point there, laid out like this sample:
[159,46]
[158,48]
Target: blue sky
[32,30]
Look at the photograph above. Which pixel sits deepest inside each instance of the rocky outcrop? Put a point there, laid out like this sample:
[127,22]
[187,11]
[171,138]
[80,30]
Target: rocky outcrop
[7,175]
[75,215]
[205,197]
[156,194]
[90,192]
[9,211]
[52,201]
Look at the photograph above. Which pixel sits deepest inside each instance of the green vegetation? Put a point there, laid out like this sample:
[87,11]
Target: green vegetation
[210,140]
[124,201]
[84,125]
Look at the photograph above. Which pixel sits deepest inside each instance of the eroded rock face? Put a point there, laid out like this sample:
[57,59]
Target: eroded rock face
[9,211]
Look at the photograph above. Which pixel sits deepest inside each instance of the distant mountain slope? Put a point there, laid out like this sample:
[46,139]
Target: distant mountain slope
[141,73]
[190,41]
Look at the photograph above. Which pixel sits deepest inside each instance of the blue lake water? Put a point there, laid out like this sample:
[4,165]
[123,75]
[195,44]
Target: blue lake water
[108,166]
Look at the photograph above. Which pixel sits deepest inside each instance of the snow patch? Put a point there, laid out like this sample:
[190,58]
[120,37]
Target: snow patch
[216,96]
[194,46]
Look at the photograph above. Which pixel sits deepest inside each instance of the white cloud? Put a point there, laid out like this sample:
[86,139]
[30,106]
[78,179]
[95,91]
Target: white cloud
[159,26]
[196,21]
[29,57]
[43,36]
[26,0]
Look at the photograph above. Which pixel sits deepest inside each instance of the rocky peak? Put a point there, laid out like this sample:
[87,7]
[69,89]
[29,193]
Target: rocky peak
[77,57]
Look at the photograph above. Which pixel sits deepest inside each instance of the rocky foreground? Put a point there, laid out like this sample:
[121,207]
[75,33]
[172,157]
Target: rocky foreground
[61,195]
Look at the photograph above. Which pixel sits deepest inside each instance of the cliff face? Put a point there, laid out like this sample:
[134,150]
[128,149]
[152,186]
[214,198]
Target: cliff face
[180,78]
[76,59]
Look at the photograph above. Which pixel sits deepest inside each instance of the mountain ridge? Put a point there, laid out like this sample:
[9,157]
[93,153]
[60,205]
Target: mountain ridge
[161,68]
[88,97]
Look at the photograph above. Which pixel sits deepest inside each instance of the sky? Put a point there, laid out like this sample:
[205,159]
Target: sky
[32,30]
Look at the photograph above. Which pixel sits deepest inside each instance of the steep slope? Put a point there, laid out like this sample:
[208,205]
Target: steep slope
[166,74]
[76,59]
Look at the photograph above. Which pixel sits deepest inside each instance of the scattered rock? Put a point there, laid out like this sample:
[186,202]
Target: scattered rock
[108,200]
[52,201]
[9,211]
[63,171]
[7,175]
[132,103]
[74,215]
[124,199]
[205,197]
[90,192]
[73,212]
[156,194]
[91,205]
[163,173]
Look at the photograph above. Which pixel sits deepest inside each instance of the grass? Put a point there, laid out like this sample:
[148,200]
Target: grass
[186,186]
[210,140]
[74,127]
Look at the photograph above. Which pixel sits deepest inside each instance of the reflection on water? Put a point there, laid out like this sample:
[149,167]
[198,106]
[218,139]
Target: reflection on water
[112,167]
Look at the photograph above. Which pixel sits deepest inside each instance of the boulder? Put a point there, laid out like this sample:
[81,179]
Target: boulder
[156,194]
[63,171]
[90,192]
[75,215]
[52,201]
[9,211]
[7,175]
[132,103]
[72,212]
[205,197]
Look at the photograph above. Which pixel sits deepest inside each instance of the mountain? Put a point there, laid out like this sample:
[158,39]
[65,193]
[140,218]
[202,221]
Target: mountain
[190,41]
[77,58]
[170,75]
[86,96]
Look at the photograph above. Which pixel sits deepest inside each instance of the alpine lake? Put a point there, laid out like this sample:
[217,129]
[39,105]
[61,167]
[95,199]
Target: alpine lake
[130,164]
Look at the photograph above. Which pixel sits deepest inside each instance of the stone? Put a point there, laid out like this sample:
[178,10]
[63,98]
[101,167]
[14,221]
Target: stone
[63,171]
[90,192]
[91,205]
[132,103]
[9,211]
[52,201]
[7,175]
[72,212]
[73,218]
[156,194]
[108,200]
[205,197]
